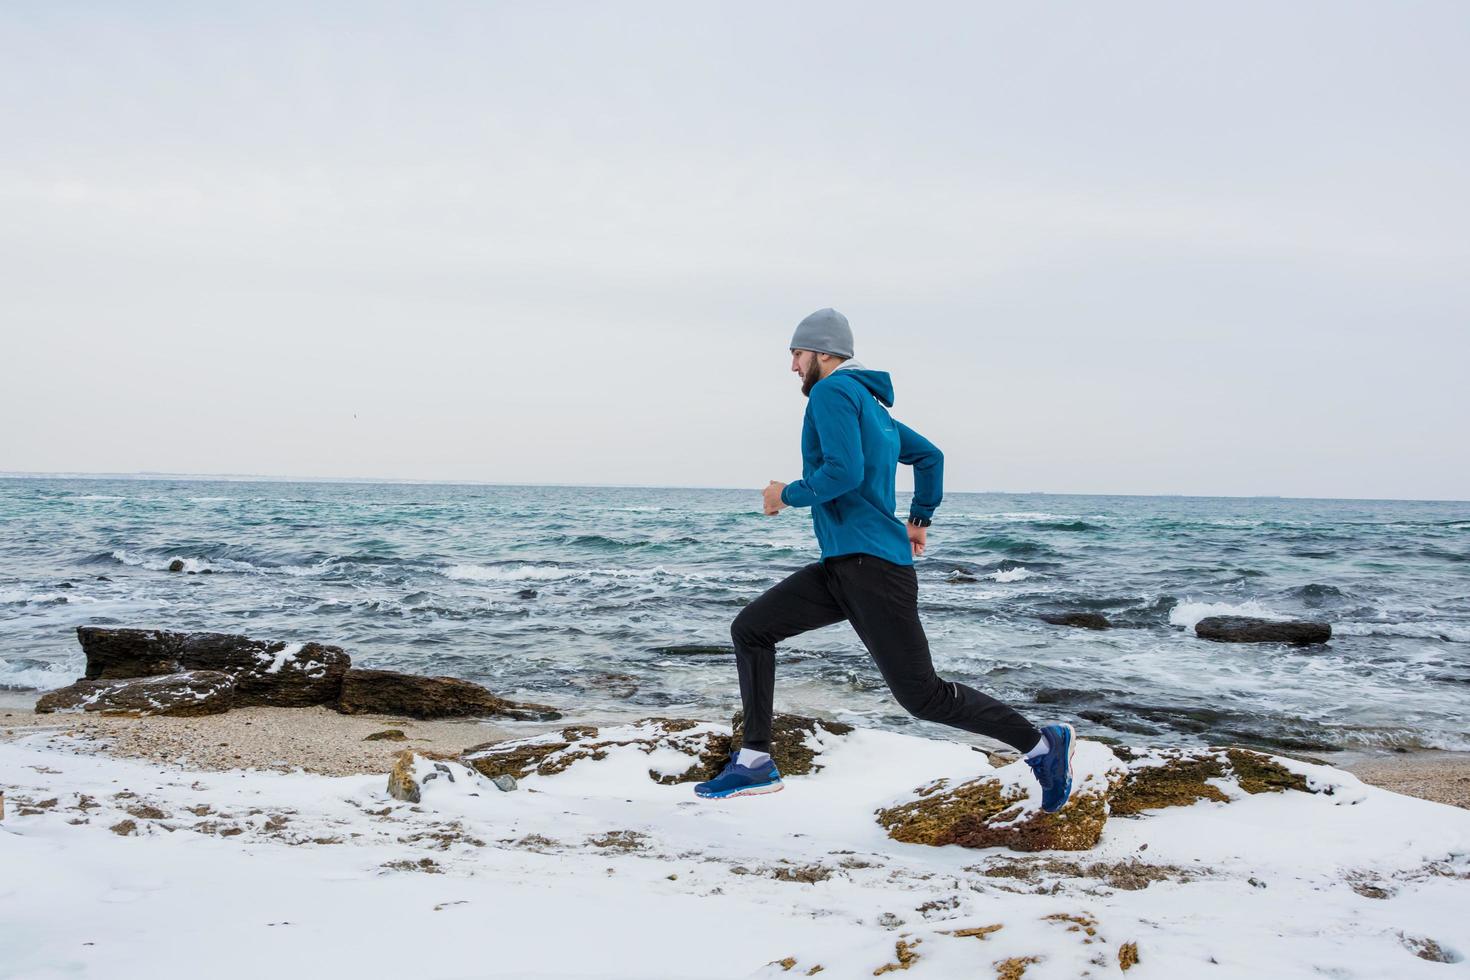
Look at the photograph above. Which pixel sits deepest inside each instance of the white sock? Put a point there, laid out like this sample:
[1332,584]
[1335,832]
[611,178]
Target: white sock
[1042,747]
[750,758]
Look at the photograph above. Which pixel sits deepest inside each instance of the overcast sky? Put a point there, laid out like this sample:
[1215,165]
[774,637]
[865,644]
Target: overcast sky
[1153,247]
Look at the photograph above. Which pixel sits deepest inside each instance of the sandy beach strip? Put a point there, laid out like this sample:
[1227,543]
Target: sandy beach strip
[317,740]
[320,740]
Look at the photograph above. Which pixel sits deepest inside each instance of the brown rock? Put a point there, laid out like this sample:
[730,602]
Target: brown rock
[276,674]
[185,694]
[989,812]
[983,812]
[266,673]
[1127,956]
[1244,629]
[387,735]
[791,747]
[708,748]
[388,692]
[401,784]
[114,653]
[124,828]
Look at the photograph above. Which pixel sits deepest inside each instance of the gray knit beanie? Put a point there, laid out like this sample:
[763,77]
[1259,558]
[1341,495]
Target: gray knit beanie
[826,332]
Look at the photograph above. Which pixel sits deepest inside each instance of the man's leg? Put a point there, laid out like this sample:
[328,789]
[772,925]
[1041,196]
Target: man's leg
[798,603]
[881,600]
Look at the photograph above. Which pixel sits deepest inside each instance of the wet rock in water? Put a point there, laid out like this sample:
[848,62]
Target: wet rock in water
[266,673]
[527,594]
[177,565]
[387,692]
[1245,629]
[696,650]
[1002,809]
[184,694]
[1081,620]
[387,735]
[401,782]
[609,683]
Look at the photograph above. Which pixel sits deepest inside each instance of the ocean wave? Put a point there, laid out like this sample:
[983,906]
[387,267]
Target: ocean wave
[1446,632]
[29,674]
[1065,526]
[1187,614]
[1009,575]
[191,564]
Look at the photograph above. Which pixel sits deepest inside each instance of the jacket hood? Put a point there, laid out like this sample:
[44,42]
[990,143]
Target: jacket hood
[878,382]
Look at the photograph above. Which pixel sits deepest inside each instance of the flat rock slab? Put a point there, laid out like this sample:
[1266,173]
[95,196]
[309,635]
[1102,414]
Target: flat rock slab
[1081,620]
[183,694]
[273,674]
[387,692]
[1245,629]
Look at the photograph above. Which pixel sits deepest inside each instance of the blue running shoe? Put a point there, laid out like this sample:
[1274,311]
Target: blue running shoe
[738,780]
[1053,768]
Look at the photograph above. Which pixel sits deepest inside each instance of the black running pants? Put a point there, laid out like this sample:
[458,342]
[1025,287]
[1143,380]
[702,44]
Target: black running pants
[881,600]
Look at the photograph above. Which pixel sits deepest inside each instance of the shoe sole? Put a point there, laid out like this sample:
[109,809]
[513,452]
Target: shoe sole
[749,791]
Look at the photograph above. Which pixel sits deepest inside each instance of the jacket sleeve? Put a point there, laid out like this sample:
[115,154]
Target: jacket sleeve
[835,414]
[928,463]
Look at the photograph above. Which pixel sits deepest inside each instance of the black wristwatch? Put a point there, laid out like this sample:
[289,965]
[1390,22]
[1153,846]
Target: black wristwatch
[919,521]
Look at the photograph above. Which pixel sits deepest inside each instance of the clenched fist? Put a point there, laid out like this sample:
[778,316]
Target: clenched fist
[771,498]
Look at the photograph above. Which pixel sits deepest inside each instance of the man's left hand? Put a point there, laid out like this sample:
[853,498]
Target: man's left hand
[771,499]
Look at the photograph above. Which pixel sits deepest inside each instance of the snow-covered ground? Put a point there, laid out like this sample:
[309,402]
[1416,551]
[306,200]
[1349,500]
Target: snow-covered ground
[599,871]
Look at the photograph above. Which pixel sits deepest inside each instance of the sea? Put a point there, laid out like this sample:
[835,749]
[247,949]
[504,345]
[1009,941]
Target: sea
[616,602]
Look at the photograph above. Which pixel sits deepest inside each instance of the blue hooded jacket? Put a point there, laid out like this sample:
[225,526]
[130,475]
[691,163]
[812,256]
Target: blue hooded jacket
[850,451]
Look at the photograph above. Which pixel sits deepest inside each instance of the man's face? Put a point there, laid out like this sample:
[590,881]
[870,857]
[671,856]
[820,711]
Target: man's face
[804,365]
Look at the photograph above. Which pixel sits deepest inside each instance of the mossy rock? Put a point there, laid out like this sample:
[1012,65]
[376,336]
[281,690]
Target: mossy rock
[1183,778]
[547,755]
[1257,773]
[986,812]
[1180,781]
[789,741]
[999,810]
[707,747]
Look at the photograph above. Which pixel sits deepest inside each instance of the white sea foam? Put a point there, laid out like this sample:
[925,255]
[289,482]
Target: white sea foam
[191,564]
[26,674]
[1187,613]
[1010,575]
[509,573]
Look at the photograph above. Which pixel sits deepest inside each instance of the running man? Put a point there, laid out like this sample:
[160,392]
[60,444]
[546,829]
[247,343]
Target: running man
[850,450]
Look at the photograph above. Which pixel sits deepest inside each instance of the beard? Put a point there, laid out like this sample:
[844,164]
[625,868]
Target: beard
[812,376]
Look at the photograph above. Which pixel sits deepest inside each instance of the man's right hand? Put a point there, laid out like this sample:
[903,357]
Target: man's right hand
[918,538]
[771,501]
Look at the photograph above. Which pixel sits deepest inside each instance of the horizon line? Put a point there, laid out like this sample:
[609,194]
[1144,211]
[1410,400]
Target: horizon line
[157,475]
